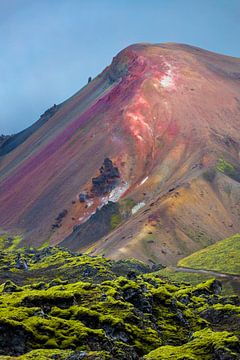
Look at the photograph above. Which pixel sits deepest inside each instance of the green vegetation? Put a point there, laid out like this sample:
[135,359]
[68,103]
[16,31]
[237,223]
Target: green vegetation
[41,355]
[204,345]
[9,243]
[228,169]
[180,276]
[126,206]
[115,220]
[224,256]
[67,306]
[224,166]
[199,236]
[228,287]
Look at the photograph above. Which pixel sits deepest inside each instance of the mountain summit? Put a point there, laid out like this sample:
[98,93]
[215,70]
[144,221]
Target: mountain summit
[142,162]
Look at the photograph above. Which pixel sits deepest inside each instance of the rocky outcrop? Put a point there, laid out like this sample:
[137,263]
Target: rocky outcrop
[9,143]
[59,219]
[107,180]
[3,139]
[98,225]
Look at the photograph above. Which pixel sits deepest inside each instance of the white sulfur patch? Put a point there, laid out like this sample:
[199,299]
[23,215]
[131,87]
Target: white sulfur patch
[138,207]
[116,193]
[167,80]
[104,201]
[89,203]
[83,219]
[140,137]
[144,180]
[114,196]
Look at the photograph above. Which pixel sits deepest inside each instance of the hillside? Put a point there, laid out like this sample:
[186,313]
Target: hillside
[142,162]
[224,256]
[56,304]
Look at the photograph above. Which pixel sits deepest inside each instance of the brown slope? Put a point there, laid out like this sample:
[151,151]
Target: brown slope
[165,114]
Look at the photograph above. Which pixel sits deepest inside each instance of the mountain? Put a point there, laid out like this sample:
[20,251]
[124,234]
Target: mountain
[142,162]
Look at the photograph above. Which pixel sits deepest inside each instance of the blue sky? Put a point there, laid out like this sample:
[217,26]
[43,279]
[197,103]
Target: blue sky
[49,48]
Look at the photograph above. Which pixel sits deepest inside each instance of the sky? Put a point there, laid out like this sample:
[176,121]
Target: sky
[49,48]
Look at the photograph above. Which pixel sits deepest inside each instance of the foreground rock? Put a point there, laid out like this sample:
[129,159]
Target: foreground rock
[70,306]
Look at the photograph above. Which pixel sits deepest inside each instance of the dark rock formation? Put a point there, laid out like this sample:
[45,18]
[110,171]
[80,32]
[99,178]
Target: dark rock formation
[4,138]
[83,197]
[107,180]
[93,229]
[14,339]
[21,263]
[59,218]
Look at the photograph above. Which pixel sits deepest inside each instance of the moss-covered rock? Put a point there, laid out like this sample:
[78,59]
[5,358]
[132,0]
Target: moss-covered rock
[94,308]
[204,345]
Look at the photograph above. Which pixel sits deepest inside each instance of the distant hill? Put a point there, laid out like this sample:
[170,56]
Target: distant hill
[224,256]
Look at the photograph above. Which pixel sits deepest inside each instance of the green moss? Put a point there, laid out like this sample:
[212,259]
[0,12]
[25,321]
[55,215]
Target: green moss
[9,243]
[223,166]
[76,302]
[115,220]
[204,344]
[180,276]
[228,169]
[51,343]
[227,308]
[224,256]
[192,278]
[10,287]
[45,244]
[41,354]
